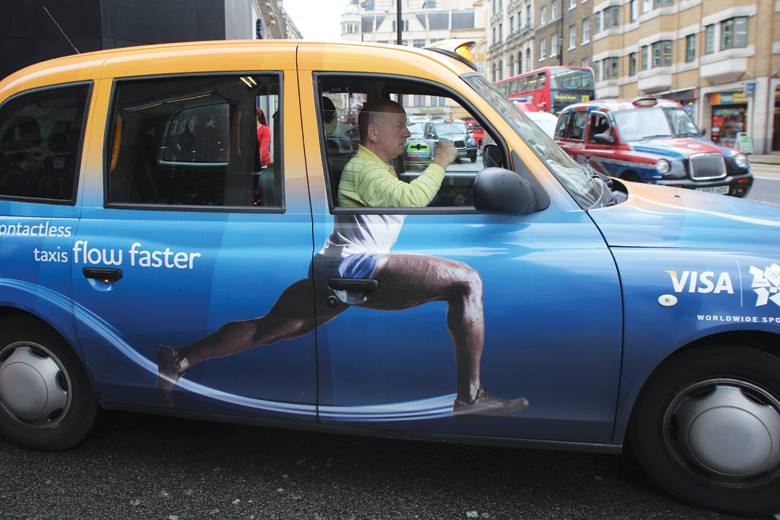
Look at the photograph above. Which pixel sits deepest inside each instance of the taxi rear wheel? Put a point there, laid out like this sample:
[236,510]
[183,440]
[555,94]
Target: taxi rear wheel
[707,428]
[46,401]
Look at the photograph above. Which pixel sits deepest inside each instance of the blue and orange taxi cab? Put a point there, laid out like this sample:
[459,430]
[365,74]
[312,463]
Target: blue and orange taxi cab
[149,261]
[650,140]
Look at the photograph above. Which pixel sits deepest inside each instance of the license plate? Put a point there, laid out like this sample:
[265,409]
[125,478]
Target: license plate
[724,190]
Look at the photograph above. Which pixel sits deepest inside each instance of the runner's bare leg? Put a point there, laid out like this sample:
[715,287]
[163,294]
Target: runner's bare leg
[408,280]
[290,317]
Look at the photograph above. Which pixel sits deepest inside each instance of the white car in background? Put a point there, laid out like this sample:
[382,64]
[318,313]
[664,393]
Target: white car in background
[545,120]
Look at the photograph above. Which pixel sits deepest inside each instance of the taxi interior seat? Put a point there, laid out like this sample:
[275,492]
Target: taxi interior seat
[338,148]
[337,160]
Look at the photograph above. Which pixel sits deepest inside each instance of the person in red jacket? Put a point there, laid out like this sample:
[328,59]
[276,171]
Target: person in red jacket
[263,138]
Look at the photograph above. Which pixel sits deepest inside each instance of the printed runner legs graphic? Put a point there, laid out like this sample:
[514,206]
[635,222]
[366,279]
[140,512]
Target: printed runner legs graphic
[405,281]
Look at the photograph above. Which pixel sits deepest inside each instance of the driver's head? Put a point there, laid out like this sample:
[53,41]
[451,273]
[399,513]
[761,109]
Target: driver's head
[382,125]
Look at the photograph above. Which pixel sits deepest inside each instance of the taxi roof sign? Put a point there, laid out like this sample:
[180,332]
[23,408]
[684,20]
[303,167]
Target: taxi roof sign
[647,101]
[457,48]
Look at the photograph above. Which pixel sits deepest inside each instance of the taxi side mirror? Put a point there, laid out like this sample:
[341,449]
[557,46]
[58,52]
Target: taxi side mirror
[497,190]
[603,139]
[492,156]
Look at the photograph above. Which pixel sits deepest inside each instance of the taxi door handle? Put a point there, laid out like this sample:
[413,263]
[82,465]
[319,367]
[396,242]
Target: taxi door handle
[353,284]
[102,273]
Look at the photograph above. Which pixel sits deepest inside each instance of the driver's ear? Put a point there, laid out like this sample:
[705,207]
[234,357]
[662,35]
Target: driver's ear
[372,132]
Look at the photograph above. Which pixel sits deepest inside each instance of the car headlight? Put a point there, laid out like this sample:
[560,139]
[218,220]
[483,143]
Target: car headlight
[741,160]
[471,142]
[663,166]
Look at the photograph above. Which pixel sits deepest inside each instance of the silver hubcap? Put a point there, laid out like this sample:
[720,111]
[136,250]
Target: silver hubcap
[34,386]
[724,430]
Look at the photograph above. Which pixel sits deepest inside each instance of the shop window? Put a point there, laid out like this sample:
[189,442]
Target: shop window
[728,121]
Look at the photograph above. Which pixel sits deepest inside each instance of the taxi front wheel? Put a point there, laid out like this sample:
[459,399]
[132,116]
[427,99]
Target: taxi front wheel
[706,427]
[46,401]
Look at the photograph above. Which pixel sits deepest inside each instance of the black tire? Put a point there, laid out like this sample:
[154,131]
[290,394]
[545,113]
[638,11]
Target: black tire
[46,401]
[706,427]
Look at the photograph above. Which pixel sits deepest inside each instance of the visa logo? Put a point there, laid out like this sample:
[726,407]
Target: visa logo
[704,282]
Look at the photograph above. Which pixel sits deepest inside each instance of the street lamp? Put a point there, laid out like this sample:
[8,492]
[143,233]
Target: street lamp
[399,24]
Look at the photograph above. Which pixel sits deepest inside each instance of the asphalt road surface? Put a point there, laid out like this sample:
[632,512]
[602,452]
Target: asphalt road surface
[146,467]
[766,186]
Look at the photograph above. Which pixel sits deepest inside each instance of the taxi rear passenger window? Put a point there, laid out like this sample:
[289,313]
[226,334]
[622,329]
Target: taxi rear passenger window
[40,143]
[196,141]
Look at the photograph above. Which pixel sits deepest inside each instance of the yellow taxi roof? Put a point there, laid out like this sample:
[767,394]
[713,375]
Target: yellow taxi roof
[237,55]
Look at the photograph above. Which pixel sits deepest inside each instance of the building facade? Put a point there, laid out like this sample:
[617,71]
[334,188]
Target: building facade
[422,21]
[37,30]
[524,35]
[719,58]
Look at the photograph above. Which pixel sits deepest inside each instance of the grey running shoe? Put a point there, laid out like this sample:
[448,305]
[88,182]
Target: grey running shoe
[167,373]
[487,405]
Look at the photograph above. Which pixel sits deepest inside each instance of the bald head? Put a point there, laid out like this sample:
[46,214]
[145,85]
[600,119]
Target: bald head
[382,125]
[373,111]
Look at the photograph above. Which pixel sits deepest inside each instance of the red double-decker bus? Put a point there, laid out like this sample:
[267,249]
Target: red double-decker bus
[551,89]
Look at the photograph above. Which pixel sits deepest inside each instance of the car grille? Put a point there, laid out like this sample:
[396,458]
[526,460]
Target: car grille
[458,143]
[707,166]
